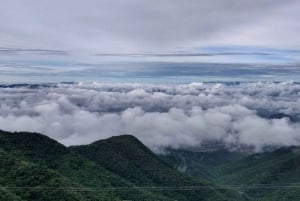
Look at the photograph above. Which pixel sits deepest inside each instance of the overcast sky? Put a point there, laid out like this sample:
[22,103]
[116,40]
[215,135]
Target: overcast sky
[165,41]
[64,33]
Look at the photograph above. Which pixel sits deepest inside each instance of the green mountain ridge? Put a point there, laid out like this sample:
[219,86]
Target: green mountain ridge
[36,167]
[127,157]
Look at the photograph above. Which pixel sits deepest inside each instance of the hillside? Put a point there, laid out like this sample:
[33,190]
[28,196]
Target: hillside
[39,165]
[92,178]
[127,157]
[34,166]
[276,174]
[273,175]
[200,164]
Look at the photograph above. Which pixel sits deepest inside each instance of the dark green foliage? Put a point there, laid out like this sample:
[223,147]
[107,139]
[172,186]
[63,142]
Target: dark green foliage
[7,195]
[35,167]
[129,158]
[34,148]
[23,180]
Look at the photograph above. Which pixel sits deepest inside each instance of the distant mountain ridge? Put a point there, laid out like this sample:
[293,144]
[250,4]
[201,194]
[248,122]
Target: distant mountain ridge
[271,175]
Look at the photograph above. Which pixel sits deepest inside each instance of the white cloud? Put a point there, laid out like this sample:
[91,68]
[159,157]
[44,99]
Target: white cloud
[159,115]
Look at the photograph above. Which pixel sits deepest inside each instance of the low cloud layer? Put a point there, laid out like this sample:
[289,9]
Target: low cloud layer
[177,116]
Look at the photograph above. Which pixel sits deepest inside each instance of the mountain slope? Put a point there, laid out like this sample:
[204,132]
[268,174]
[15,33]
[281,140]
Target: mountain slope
[281,165]
[34,166]
[127,157]
[46,153]
[273,175]
[200,164]
[23,180]
[30,166]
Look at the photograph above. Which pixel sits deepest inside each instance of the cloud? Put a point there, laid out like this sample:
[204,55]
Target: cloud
[146,26]
[187,115]
[17,51]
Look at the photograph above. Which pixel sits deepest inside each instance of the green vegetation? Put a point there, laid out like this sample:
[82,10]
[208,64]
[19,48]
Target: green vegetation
[35,167]
[273,175]
[130,159]
[200,164]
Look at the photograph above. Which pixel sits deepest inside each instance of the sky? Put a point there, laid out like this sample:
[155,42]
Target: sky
[149,41]
[174,73]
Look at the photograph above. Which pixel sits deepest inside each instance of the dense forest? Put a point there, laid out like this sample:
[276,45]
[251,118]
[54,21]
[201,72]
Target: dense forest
[36,167]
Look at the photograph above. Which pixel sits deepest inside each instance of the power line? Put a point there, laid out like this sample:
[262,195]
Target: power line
[154,188]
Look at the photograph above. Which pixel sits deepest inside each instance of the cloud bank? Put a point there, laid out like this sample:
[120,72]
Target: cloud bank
[177,116]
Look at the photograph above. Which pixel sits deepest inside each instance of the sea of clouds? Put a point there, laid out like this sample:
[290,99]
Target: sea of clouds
[160,115]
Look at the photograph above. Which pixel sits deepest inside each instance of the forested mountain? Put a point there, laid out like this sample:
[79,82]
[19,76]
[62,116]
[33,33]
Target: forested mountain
[35,167]
[273,175]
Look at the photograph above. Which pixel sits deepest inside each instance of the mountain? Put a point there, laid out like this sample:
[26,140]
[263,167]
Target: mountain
[127,157]
[273,175]
[36,167]
[23,180]
[200,164]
